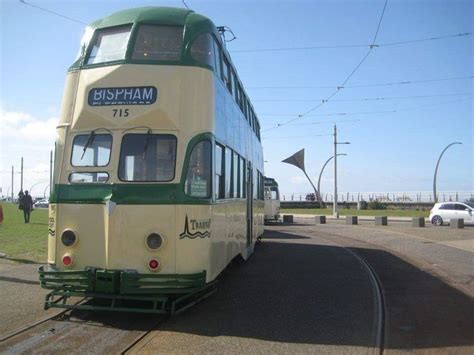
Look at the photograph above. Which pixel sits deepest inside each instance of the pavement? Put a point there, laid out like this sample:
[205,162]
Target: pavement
[303,291]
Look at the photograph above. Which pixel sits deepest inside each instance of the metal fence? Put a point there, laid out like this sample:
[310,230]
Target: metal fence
[402,197]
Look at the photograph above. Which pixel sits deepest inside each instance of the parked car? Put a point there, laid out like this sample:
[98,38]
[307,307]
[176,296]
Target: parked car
[445,211]
[42,203]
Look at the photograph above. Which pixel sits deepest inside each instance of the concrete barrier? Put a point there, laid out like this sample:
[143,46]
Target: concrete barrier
[381,220]
[418,222]
[287,218]
[351,220]
[320,220]
[456,223]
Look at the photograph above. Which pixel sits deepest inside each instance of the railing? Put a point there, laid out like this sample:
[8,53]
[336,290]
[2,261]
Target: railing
[393,197]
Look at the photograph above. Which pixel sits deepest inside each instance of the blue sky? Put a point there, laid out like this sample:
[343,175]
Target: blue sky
[389,151]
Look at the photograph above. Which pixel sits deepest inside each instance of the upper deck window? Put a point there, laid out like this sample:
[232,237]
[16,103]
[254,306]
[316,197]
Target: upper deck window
[158,43]
[110,44]
[203,51]
[147,157]
[91,149]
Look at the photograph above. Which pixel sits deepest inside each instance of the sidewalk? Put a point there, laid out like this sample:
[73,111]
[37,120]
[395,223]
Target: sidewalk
[360,218]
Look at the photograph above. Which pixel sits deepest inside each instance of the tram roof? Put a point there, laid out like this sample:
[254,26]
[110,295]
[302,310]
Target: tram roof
[154,15]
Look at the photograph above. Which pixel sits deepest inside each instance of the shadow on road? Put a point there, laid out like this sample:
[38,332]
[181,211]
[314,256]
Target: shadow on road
[307,293]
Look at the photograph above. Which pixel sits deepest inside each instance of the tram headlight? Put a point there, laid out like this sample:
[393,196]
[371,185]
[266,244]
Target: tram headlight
[154,241]
[68,238]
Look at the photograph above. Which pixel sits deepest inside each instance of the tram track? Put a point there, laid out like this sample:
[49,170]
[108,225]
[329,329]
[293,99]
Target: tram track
[380,314]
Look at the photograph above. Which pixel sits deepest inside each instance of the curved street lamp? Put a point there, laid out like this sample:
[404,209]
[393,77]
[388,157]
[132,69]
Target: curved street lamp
[321,173]
[436,170]
[31,188]
[44,192]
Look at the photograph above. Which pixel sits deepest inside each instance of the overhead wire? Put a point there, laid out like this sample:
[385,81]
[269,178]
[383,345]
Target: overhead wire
[344,82]
[52,12]
[387,44]
[404,82]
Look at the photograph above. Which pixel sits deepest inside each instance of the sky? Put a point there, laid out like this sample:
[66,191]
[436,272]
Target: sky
[396,131]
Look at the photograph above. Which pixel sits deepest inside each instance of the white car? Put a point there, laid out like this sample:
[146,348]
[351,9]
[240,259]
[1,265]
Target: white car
[445,211]
[41,203]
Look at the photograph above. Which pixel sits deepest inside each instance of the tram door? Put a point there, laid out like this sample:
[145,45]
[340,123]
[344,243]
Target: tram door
[249,195]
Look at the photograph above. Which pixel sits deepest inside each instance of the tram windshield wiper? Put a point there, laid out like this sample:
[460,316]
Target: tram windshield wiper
[89,141]
[147,140]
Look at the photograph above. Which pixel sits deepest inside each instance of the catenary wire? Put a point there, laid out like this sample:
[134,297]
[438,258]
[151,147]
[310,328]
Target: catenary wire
[52,12]
[404,82]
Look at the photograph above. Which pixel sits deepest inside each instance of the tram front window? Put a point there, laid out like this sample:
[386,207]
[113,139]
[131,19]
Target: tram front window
[158,43]
[147,157]
[110,44]
[91,149]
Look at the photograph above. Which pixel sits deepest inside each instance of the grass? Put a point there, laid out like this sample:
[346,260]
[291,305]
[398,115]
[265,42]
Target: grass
[24,242]
[354,212]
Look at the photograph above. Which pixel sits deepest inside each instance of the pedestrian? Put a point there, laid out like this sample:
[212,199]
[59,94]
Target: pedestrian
[27,204]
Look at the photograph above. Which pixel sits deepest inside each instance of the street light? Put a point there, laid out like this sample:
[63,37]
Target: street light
[321,173]
[436,169]
[334,207]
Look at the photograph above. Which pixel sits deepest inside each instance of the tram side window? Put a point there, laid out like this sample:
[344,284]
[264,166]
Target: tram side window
[228,173]
[219,179]
[198,178]
[227,75]
[92,177]
[242,178]
[217,58]
[158,43]
[91,150]
[235,174]
[147,157]
[202,50]
[110,44]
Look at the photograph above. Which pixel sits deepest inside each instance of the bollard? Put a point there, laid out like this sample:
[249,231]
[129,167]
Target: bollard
[456,223]
[381,221]
[320,220]
[287,218]
[418,222]
[351,220]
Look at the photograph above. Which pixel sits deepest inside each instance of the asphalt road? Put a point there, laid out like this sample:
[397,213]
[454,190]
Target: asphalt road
[304,290]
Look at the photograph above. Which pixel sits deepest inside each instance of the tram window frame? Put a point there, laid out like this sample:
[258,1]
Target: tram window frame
[205,171]
[90,173]
[122,174]
[219,53]
[177,55]
[243,174]
[88,136]
[219,180]
[227,73]
[228,172]
[235,81]
[235,175]
[212,59]
[99,32]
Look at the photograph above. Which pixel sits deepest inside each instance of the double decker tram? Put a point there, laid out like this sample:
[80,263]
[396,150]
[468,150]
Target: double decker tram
[158,179]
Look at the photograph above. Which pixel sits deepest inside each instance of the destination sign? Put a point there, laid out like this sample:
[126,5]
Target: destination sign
[139,95]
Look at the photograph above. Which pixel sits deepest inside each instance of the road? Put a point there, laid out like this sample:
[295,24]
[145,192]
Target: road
[328,288]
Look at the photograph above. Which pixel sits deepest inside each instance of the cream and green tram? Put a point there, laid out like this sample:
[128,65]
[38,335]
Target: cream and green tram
[158,179]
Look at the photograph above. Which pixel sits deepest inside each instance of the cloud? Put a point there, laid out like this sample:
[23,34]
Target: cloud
[23,125]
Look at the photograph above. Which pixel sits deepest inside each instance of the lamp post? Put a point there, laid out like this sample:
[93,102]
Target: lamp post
[436,169]
[334,207]
[321,173]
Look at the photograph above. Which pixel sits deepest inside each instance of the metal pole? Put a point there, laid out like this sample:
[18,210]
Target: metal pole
[334,206]
[13,188]
[436,170]
[21,184]
[321,172]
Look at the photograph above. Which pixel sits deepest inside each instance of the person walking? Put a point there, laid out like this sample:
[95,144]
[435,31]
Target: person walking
[27,204]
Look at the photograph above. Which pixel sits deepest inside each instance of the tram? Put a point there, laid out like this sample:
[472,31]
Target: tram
[158,175]
[272,200]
